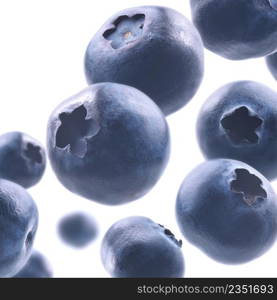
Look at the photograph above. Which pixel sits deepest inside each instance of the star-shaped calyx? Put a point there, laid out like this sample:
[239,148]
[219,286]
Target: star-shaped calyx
[241,126]
[170,235]
[33,153]
[249,185]
[75,130]
[125,30]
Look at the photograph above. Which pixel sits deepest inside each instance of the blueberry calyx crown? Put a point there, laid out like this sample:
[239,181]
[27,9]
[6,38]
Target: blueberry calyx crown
[125,30]
[74,131]
[273,4]
[169,234]
[249,185]
[241,126]
[33,153]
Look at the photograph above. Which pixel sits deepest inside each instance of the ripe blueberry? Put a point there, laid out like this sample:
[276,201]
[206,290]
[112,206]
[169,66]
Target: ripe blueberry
[237,29]
[271,61]
[22,159]
[154,49]
[77,229]
[18,225]
[239,121]
[138,247]
[228,210]
[110,143]
[36,267]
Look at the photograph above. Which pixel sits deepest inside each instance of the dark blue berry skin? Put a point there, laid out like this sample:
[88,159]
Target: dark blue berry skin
[154,49]
[239,121]
[237,29]
[36,267]
[18,225]
[138,247]
[228,210]
[271,61]
[110,143]
[78,229]
[22,159]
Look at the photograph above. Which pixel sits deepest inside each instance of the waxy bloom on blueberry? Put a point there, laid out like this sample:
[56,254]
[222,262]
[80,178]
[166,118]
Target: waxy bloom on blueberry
[228,210]
[239,121]
[139,247]
[110,143]
[152,48]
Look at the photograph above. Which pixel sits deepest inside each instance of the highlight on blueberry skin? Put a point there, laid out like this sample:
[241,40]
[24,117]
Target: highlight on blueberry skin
[36,267]
[139,247]
[152,48]
[239,121]
[78,229]
[22,159]
[110,143]
[18,226]
[271,61]
[237,29]
[228,210]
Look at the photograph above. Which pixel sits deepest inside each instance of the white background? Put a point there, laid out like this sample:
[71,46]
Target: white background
[42,47]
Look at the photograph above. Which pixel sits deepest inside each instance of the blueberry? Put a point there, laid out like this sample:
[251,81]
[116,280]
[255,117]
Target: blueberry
[228,210]
[36,267]
[110,143]
[22,159]
[154,49]
[271,61]
[237,29]
[77,229]
[138,247]
[18,225]
[239,121]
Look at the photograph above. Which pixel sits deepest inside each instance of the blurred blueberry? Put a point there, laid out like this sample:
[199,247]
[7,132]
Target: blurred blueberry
[77,229]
